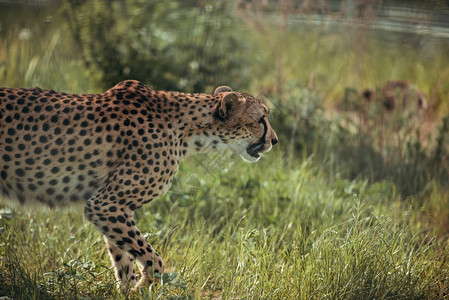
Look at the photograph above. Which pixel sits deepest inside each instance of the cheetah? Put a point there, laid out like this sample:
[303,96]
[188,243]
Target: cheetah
[115,151]
[399,94]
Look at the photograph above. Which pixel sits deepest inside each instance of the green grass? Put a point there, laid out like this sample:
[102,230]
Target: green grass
[289,227]
[232,230]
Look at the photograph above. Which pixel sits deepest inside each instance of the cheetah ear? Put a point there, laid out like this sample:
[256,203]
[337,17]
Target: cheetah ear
[225,105]
[222,89]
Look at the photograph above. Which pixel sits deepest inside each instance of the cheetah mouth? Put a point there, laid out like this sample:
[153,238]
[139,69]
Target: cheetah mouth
[254,149]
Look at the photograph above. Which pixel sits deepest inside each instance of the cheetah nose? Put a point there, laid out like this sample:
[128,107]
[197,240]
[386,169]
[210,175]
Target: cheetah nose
[274,142]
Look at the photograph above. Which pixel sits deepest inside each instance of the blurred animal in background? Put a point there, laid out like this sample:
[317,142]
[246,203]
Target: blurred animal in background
[396,110]
[395,100]
[398,94]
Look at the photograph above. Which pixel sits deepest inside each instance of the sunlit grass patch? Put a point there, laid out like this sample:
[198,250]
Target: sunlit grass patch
[241,230]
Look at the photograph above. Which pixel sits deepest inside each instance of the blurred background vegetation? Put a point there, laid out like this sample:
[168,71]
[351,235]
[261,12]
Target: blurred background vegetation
[359,94]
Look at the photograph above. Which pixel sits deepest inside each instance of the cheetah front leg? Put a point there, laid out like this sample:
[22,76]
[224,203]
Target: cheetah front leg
[123,264]
[115,220]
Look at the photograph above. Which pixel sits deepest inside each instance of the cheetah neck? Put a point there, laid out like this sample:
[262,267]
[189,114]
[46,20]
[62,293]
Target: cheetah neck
[193,121]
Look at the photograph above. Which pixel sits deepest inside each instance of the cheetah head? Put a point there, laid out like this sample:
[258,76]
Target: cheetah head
[243,124]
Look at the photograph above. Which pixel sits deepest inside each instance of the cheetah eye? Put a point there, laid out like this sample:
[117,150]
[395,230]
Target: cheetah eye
[261,120]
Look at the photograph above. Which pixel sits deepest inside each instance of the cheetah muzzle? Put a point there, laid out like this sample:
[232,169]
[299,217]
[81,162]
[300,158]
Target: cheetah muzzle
[116,151]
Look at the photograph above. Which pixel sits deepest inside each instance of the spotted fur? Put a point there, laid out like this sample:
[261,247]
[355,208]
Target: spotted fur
[116,151]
